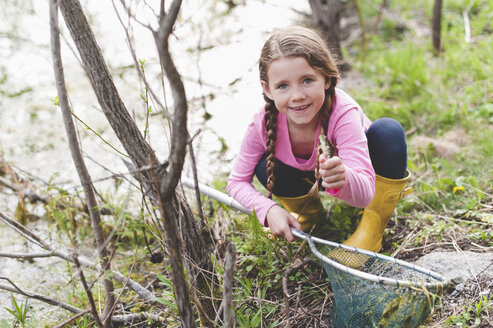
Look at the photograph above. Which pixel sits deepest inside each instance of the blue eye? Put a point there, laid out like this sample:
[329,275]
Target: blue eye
[282,86]
[307,80]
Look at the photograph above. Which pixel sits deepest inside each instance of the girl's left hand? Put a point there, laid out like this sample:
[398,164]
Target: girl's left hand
[332,172]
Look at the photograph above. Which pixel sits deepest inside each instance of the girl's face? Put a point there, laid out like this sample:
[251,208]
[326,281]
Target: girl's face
[297,89]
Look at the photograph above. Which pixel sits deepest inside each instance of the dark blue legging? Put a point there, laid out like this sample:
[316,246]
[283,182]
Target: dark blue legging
[387,146]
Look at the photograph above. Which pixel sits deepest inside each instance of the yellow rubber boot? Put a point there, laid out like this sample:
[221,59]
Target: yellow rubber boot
[307,209]
[369,233]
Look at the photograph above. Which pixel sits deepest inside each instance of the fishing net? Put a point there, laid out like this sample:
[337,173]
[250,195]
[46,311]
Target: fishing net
[373,290]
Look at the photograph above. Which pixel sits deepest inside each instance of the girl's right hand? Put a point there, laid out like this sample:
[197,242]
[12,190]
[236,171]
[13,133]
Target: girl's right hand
[280,222]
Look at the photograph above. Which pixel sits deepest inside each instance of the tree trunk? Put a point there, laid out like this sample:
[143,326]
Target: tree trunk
[327,17]
[197,253]
[436,26]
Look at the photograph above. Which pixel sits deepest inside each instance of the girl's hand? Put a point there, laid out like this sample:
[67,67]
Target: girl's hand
[332,172]
[280,222]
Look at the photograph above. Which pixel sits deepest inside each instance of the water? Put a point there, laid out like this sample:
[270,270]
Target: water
[32,136]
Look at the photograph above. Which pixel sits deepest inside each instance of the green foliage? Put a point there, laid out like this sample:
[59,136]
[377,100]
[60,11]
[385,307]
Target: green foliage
[262,262]
[473,315]
[167,295]
[20,311]
[342,220]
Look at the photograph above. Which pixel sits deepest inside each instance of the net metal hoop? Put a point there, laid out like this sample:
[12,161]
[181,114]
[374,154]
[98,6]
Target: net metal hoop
[442,282]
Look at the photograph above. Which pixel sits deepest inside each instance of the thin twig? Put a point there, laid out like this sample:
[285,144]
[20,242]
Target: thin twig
[17,188]
[409,237]
[296,264]
[135,59]
[202,223]
[16,289]
[29,235]
[75,317]
[26,256]
[88,291]
[112,310]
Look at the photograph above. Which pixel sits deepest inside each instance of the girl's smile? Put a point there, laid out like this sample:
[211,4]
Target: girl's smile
[297,89]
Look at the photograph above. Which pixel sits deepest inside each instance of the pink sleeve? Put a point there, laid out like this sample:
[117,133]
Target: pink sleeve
[240,180]
[349,135]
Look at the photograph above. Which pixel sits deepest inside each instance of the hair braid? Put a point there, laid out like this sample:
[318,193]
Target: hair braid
[326,112]
[270,119]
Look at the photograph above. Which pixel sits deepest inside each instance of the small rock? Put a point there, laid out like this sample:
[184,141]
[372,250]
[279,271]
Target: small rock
[458,267]
[459,287]
[485,292]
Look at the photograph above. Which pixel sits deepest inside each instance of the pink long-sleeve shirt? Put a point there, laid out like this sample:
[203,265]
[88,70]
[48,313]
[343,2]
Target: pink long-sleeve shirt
[346,131]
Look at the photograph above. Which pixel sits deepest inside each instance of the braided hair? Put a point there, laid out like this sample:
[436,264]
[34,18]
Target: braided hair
[295,42]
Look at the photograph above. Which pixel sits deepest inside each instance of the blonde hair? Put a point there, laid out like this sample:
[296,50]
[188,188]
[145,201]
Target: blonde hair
[295,42]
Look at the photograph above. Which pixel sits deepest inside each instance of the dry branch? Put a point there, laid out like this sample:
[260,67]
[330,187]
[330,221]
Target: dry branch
[124,318]
[228,286]
[31,236]
[26,256]
[436,26]
[89,293]
[43,298]
[80,165]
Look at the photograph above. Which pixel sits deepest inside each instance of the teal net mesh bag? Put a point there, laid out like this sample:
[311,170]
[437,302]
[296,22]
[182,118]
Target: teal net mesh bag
[374,290]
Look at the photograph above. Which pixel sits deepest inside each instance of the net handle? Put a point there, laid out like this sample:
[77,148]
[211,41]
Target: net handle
[368,276]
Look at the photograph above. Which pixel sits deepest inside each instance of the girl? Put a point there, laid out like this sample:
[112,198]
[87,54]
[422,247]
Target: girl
[298,78]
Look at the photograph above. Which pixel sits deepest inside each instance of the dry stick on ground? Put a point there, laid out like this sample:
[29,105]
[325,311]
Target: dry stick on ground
[116,319]
[80,165]
[16,289]
[229,269]
[126,281]
[75,317]
[296,264]
[32,237]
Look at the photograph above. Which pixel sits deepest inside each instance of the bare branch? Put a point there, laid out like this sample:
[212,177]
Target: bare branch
[75,317]
[173,242]
[136,61]
[125,318]
[436,26]
[27,194]
[26,256]
[179,134]
[76,153]
[88,292]
[16,289]
[196,181]
[23,231]
[228,286]
[29,235]
[133,317]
